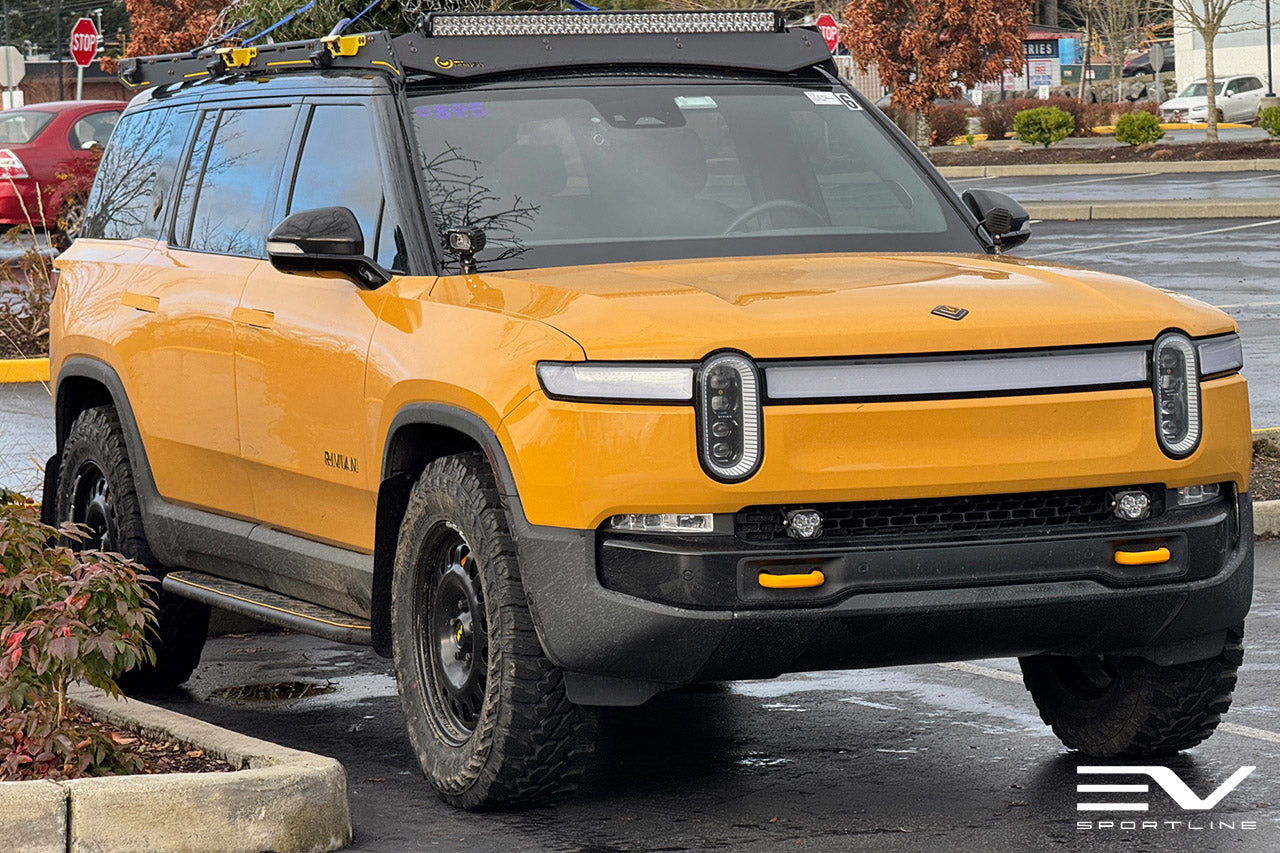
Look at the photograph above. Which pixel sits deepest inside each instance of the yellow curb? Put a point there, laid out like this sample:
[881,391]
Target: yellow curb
[24,370]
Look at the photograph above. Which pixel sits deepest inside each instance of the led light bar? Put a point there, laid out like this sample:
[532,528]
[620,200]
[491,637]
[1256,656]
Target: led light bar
[1220,355]
[603,23]
[617,381]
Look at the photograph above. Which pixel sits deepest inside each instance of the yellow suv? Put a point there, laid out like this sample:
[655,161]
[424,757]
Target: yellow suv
[570,358]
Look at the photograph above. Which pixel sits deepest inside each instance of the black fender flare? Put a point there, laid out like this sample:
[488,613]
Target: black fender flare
[393,496]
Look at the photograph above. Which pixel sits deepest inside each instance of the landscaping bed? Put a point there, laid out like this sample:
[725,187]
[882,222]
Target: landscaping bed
[159,754]
[979,155]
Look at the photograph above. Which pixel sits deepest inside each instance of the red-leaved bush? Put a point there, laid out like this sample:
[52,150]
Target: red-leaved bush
[65,616]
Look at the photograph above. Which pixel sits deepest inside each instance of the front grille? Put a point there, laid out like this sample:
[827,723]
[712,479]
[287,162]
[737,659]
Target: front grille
[941,518]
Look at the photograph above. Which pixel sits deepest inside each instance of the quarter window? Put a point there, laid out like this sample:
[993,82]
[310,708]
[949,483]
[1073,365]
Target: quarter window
[237,187]
[127,198]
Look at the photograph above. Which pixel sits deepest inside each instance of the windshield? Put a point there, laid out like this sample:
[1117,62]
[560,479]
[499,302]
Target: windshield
[18,127]
[574,174]
[1200,89]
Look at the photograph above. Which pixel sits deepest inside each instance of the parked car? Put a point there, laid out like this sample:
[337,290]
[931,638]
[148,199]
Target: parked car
[1237,99]
[1141,64]
[39,141]
[566,377]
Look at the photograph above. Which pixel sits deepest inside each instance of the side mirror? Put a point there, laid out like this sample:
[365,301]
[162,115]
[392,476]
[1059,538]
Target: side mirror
[1006,223]
[326,239]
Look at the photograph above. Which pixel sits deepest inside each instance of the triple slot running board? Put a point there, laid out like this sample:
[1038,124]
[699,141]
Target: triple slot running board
[270,607]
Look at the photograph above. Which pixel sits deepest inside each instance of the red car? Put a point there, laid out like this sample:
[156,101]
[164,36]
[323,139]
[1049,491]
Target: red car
[42,140]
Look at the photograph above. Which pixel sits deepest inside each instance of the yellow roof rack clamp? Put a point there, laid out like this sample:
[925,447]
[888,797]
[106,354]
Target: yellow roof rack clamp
[237,57]
[1151,557]
[344,45]
[812,579]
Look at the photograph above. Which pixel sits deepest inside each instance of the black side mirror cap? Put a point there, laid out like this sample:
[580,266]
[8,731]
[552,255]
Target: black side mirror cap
[1005,222]
[325,239]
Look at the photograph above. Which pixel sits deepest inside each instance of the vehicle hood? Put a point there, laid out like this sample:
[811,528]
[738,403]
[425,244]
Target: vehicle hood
[830,305]
[1185,104]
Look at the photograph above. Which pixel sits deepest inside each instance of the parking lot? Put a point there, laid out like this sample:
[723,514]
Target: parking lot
[910,758]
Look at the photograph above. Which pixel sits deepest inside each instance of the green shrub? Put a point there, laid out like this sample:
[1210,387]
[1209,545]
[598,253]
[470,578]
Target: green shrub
[1043,125]
[64,617]
[1269,120]
[1138,128]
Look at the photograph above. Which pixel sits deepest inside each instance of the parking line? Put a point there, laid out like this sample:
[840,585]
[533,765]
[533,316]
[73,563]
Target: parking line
[1159,239]
[1014,678]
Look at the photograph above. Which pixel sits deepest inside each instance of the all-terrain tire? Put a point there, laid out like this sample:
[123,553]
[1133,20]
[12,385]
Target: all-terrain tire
[1132,707]
[487,712]
[96,488]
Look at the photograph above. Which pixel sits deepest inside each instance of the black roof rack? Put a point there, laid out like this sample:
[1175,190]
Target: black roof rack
[468,45]
[367,52]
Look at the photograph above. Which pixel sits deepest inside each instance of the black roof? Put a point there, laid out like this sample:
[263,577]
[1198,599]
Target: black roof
[470,46]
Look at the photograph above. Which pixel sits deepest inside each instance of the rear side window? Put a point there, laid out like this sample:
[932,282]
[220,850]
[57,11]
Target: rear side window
[18,127]
[238,180]
[92,130]
[126,199]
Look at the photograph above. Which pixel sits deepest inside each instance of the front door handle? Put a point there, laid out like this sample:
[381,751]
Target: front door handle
[253,317]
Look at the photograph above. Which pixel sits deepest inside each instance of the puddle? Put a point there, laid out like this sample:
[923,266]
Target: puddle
[280,691]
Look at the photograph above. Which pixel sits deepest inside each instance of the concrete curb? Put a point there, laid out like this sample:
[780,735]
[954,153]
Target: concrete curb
[1241,208]
[1266,518]
[24,370]
[1025,170]
[280,799]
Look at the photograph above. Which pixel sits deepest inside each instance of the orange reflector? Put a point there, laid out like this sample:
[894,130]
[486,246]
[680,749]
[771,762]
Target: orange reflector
[1142,558]
[813,578]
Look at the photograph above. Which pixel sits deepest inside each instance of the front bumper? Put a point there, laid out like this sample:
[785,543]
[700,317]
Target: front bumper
[1058,594]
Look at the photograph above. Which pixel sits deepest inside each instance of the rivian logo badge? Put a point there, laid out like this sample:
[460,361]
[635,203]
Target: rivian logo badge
[951,312]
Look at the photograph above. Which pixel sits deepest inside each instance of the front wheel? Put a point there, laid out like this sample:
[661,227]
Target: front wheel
[1111,707]
[487,712]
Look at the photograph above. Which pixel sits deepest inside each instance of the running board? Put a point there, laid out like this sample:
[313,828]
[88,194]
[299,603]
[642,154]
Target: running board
[270,607]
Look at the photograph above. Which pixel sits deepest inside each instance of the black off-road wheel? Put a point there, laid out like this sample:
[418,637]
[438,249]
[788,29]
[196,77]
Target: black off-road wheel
[96,491]
[487,712]
[1131,707]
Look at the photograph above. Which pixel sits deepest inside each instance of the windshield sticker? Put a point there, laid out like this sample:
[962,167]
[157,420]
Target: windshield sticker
[848,101]
[448,111]
[695,102]
[824,98]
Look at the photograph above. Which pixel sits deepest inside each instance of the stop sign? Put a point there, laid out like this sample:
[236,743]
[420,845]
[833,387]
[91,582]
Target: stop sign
[830,31]
[84,42]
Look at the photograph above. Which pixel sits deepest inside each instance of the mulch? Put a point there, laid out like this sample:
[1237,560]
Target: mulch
[965,156]
[1264,485]
[160,755]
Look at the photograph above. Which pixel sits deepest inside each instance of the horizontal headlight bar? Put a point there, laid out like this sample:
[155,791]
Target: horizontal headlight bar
[617,382]
[1220,355]
[957,376]
[603,23]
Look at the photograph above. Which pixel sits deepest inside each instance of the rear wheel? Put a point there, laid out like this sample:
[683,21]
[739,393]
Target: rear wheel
[487,712]
[96,491]
[1110,707]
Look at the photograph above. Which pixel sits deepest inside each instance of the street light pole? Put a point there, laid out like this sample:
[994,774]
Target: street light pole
[1271,86]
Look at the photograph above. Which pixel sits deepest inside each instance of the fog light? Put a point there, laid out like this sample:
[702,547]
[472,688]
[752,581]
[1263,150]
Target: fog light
[804,524]
[1132,505]
[1193,495]
[669,522]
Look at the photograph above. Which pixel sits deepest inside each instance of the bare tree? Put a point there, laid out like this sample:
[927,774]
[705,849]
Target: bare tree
[1208,18]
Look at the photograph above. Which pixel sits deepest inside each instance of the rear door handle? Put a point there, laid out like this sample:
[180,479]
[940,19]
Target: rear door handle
[253,317]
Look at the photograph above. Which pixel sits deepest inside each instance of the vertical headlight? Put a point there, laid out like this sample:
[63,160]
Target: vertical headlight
[1177,394]
[730,423]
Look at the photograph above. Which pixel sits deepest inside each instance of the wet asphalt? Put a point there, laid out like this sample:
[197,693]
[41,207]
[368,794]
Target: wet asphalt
[922,758]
